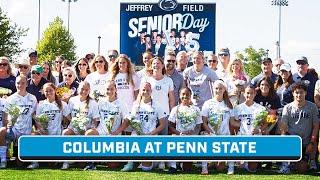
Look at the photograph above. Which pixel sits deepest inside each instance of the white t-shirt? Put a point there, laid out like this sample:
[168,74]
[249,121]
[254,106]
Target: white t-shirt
[28,104]
[245,114]
[178,113]
[142,73]
[213,109]
[92,112]
[3,103]
[55,115]
[115,110]
[160,91]
[149,115]
[97,82]
[125,90]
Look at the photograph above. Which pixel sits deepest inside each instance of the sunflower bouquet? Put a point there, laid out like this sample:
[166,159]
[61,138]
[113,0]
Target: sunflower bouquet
[187,116]
[64,92]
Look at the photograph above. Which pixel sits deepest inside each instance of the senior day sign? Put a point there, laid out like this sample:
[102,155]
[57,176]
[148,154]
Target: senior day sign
[166,25]
[165,148]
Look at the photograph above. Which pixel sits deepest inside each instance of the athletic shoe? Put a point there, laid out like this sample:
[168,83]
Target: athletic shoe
[172,170]
[161,166]
[33,165]
[3,164]
[284,169]
[313,165]
[140,166]
[65,166]
[127,167]
[90,167]
[204,171]
[230,171]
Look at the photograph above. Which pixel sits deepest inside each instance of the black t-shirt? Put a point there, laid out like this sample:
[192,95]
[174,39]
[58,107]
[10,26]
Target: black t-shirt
[268,102]
[9,83]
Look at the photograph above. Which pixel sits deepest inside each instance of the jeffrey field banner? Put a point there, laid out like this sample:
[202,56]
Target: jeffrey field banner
[166,26]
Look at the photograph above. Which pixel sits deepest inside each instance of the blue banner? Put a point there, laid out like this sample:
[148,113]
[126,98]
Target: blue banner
[164,148]
[166,26]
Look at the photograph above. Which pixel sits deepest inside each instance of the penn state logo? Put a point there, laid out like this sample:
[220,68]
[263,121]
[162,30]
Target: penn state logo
[158,87]
[168,5]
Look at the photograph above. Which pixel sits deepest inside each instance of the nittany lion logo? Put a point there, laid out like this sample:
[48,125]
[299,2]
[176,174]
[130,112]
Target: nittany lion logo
[168,5]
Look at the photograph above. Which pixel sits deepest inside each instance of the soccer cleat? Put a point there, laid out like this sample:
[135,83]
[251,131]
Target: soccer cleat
[284,169]
[172,170]
[65,166]
[161,166]
[230,171]
[3,164]
[127,167]
[313,165]
[204,171]
[90,167]
[33,165]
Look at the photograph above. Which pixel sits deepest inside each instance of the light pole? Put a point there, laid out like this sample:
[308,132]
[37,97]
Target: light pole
[279,3]
[99,37]
[39,23]
[69,1]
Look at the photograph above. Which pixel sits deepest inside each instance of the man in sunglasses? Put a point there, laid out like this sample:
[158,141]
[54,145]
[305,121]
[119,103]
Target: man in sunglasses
[36,82]
[212,62]
[177,78]
[224,58]
[304,76]
[112,55]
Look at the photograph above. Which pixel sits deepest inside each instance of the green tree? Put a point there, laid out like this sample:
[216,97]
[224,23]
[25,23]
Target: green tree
[56,40]
[252,60]
[10,34]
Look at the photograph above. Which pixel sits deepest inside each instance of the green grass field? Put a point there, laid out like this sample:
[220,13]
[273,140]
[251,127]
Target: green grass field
[75,172]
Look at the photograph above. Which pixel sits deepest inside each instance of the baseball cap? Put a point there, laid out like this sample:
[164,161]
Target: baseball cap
[37,68]
[22,62]
[266,59]
[224,51]
[304,59]
[32,51]
[285,66]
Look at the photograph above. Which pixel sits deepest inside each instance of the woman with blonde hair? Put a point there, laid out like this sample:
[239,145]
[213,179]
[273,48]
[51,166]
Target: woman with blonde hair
[7,79]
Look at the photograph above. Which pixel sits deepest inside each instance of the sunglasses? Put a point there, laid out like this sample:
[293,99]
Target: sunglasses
[67,75]
[171,61]
[112,56]
[58,62]
[23,67]
[35,72]
[301,63]
[223,54]
[3,64]
[212,61]
[100,62]
[82,64]
[90,57]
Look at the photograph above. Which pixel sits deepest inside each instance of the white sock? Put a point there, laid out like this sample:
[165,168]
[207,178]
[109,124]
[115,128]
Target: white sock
[130,163]
[3,153]
[204,164]
[231,164]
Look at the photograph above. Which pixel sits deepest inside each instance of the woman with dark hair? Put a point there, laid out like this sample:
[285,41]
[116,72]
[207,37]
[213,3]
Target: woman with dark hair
[57,73]
[82,69]
[47,73]
[283,84]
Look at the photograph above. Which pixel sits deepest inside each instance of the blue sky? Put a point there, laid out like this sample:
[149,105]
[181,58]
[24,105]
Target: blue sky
[239,23]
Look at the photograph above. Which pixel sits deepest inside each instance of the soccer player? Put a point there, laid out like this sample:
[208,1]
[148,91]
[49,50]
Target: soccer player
[216,113]
[300,118]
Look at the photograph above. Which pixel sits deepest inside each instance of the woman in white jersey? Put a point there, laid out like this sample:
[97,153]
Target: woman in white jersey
[23,125]
[244,117]
[180,124]
[216,113]
[146,71]
[99,75]
[84,106]
[55,109]
[150,114]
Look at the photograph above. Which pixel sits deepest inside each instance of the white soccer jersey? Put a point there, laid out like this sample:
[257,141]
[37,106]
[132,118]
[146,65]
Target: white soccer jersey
[55,115]
[125,90]
[97,82]
[213,109]
[91,111]
[160,91]
[149,114]
[3,103]
[178,113]
[27,104]
[110,110]
[245,114]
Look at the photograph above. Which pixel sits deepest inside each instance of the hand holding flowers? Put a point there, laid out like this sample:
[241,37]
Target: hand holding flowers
[187,116]
[259,115]
[80,121]
[14,112]
[135,123]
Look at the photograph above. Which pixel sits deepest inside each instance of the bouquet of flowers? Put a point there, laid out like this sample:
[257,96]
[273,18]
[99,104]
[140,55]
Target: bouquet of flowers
[187,116]
[14,112]
[135,123]
[239,80]
[260,114]
[64,92]
[43,119]
[271,120]
[110,121]
[80,121]
[5,91]
[215,119]
[97,95]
